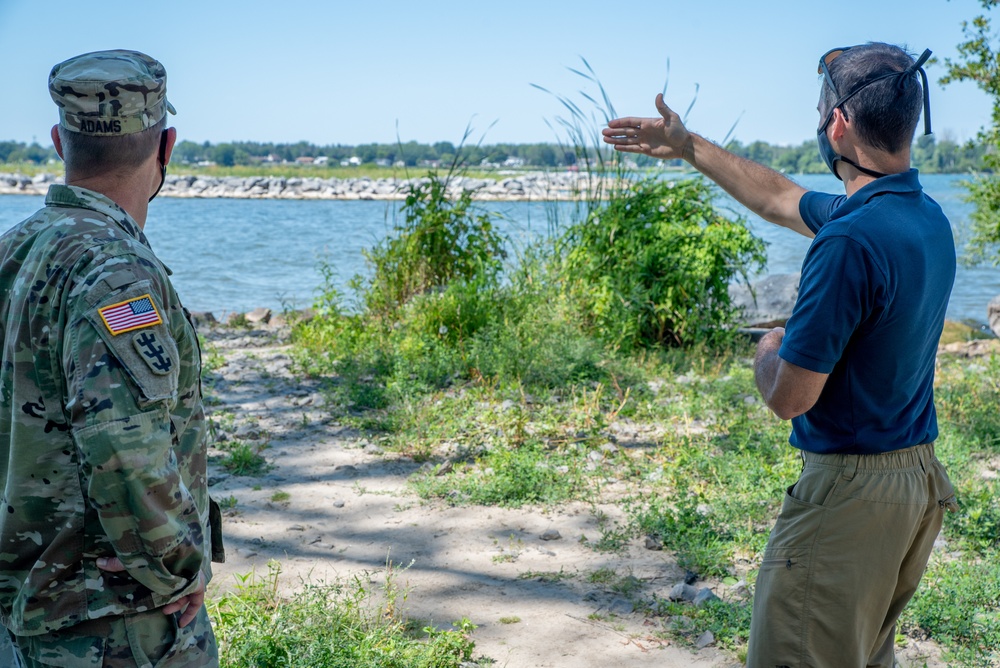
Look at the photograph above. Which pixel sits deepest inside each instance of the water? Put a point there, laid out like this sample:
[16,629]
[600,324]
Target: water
[236,255]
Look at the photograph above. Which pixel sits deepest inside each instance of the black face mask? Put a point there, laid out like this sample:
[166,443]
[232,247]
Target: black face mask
[830,155]
[826,150]
[162,157]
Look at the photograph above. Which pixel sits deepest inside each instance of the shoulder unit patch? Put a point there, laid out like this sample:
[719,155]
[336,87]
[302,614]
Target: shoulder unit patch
[132,314]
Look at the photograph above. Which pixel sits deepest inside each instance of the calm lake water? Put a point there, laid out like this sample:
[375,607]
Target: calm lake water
[236,255]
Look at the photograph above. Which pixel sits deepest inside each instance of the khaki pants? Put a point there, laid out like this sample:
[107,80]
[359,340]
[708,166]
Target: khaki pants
[144,640]
[844,558]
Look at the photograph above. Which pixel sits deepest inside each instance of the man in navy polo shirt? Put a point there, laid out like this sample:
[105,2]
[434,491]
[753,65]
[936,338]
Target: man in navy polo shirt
[853,369]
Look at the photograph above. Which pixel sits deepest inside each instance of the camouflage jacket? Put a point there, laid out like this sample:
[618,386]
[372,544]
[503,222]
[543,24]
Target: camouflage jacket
[102,448]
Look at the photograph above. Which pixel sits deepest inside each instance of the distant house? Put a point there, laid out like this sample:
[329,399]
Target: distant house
[321,160]
[354,161]
[305,160]
[513,162]
[382,162]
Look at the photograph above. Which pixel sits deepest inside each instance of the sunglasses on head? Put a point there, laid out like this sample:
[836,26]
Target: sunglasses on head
[917,66]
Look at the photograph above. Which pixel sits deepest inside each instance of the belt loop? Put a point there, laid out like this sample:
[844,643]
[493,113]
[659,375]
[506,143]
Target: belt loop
[850,466]
[922,456]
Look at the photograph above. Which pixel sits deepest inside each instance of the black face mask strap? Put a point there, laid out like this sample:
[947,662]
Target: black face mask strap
[907,73]
[904,78]
[162,158]
[863,170]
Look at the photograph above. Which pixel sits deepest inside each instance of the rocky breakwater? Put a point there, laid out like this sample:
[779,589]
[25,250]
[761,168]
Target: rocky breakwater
[534,186]
[21,184]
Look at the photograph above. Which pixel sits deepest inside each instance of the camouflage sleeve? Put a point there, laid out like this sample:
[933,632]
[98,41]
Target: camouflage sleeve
[122,368]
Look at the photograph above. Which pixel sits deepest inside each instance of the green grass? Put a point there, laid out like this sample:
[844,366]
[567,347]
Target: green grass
[244,459]
[707,478]
[329,625]
[31,169]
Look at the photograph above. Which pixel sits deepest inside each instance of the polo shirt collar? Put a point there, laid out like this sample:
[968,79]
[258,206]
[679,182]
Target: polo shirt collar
[81,198]
[904,182]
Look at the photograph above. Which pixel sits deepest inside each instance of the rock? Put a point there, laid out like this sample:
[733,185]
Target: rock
[740,589]
[704,640]
[682,592]
[217,478]
[993,315]
[767,301]
[203,319]
[259,316]
[681,623]
[593,595]
[339,503]
[551,534]
[704,596]
[690,577]
[247,430]
[653,543]
[621,606]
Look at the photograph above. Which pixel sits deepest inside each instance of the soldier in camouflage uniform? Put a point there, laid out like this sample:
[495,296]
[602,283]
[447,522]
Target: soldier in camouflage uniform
[106,526]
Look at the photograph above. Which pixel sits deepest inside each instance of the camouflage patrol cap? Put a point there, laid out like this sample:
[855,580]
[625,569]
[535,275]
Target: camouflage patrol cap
[110,93]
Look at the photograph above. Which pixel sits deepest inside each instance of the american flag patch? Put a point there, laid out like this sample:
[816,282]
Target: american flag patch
[128,315]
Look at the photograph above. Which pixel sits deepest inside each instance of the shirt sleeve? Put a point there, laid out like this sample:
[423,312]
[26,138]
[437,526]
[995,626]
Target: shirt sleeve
[121,365]
[836,294]
[817,208]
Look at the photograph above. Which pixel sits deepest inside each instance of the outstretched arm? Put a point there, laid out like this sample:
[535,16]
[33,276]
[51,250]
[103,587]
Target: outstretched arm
[761,189]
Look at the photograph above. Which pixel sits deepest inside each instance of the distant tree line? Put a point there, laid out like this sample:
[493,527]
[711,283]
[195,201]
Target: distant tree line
[411,154]
[12,151]
[930,156]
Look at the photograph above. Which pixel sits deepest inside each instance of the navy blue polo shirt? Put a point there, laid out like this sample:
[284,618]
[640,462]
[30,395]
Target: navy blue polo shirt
[872,300]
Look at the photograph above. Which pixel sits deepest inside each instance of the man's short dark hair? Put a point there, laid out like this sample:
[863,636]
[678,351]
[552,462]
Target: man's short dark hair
[87,154]
[886,112]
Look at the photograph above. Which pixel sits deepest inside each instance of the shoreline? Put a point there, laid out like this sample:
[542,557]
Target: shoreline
[530,186]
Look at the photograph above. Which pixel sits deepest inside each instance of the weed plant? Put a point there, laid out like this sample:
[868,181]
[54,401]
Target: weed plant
[349,624]
[653,267]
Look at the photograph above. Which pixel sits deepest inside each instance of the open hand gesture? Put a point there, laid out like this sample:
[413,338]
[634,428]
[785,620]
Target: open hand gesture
[665,138]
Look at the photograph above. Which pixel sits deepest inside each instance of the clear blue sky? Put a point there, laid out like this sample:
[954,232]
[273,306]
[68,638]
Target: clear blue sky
[348,72]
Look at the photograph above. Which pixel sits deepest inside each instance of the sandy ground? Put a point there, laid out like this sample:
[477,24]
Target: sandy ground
[349,511]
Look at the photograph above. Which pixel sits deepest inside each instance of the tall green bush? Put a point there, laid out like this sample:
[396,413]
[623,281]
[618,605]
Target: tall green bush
[980,62]
[652,268]
[437,242]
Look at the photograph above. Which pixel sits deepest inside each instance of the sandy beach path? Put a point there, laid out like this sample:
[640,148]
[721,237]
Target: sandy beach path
[348,510]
